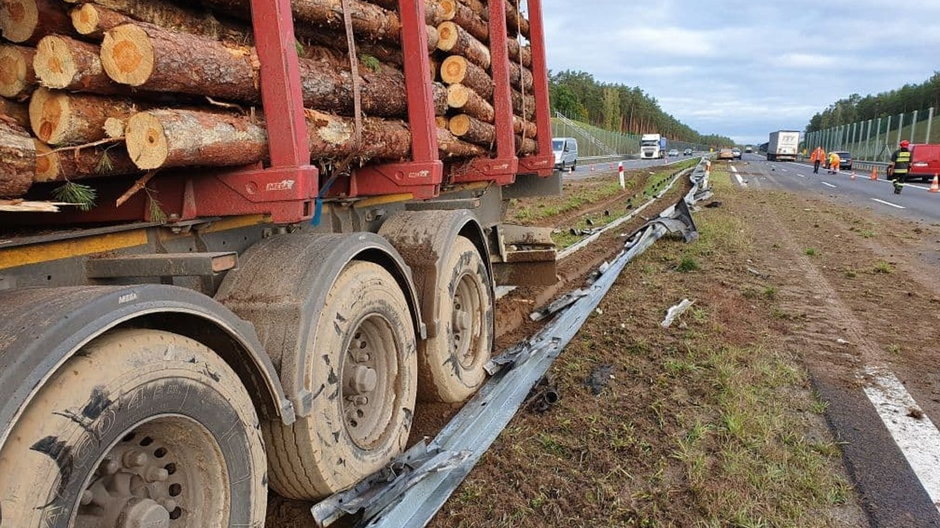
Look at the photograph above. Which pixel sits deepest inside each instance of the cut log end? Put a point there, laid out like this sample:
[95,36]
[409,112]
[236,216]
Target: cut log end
[47,163]
[48,113]
[127,55]
[457,95]
[448,9]
[146,141]
[459,125]
[54,62]
[453,69]
[447,35]
[85,19]
[114,127]
[18,19]
[16,77]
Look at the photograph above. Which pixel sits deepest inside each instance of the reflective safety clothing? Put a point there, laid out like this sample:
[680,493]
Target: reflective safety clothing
[902,161]
[834,161]
[818,155]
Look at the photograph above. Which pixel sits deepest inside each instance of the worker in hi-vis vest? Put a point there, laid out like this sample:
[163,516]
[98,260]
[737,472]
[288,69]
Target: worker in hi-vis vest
[834,162]
[817,157]
[900,166]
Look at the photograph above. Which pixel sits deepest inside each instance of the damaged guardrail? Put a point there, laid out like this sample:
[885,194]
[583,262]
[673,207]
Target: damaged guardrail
[411,490]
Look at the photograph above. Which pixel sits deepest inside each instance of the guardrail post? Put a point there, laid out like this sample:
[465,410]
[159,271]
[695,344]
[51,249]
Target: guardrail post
[914,127]
[929,125]
[900,128]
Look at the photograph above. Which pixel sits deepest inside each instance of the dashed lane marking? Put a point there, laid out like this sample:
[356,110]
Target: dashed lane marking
[734,169]
[913,432]
[889,203]
[740,179]
[828,184]
[800,175]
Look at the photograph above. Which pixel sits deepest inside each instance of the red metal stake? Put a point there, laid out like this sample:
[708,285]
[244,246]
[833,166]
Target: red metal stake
[543,162]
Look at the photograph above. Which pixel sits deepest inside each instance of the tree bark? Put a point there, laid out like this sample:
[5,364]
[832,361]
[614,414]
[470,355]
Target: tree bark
[464,17]
[27,21]
[458,70]
[155,59]
[17,77]
[520,77]
[60,118]
[93,19]
[525,128]
[523,105]
[69,64]
[515,50]
[468,102]
[478,8]
[456,40]
[17,160]
[433,9]
[473,130]
[177,138]
[515,22]
[16,112]
[91,162]
[451,147]
[526,146]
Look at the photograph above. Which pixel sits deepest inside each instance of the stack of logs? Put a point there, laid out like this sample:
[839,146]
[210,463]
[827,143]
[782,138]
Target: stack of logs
[119,87]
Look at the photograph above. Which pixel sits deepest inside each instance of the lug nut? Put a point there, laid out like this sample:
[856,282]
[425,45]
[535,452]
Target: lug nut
[169,504]
[110,467]
[155,474]
[135,458]
[87,497]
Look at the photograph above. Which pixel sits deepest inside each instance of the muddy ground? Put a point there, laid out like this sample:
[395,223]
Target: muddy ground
[714,421]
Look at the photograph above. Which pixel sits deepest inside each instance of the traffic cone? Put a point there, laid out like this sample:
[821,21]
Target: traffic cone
[852,177]
[935,186]
[874,173]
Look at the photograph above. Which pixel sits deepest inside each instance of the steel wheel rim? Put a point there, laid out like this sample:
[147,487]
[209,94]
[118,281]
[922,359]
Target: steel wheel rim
[467,321]
[370,388]
[168,471]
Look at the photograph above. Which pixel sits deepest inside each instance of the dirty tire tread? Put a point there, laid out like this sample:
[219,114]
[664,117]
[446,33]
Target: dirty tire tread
[300,467]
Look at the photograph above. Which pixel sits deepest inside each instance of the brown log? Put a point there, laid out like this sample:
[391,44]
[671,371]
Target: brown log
[515,50]
[524,128]
[17,77]
[442,121]
[515,22]
[478,7]
[16,112]
[114,127]
[451,147]
[468,102]
[17,160]
[455,40]
[61,118]
[458,70]
[433,9]
[526,146]
[464,17]
[174,138]
[93,19]
[69,64]
[91,162]
[520,77]
[159,60]
[523,105]
[27,21]
[473,130]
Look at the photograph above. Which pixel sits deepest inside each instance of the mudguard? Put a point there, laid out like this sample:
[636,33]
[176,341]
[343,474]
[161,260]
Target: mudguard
[281,286]
[41,328]
[422,238]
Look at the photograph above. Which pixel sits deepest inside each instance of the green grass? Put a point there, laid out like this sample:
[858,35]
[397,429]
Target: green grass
[883,267]
[688,264]
[810,252]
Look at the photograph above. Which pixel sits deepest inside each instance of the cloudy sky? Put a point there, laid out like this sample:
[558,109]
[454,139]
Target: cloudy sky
[743,68]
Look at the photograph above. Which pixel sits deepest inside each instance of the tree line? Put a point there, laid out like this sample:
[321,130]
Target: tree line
[619,108]
[856,108]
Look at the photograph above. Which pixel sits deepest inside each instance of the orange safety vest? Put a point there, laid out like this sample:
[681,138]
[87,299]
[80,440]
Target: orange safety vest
[834,160]
[818,155]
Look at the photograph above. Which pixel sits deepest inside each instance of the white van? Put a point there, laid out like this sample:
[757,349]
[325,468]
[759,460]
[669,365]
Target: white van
[566,153]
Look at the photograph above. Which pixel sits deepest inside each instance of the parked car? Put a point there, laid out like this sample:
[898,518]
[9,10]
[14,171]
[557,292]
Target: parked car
[725,154]
[749,149]
[845,161]
[925,162]
[687,152]
[736,152]
[566,153]
[673,153]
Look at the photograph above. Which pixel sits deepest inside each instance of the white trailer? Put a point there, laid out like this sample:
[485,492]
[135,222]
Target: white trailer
[783,145]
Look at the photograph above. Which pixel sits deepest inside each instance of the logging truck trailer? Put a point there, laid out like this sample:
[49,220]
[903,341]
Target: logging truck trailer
[274,326]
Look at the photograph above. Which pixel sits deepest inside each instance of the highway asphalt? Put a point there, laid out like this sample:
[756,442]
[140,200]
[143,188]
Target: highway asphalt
[915,202]
[584,168]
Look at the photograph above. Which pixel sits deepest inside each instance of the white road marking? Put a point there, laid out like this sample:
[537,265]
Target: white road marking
[800,175]
[828,184]
[734,169]
[889,203]
[740,179]
[918,438]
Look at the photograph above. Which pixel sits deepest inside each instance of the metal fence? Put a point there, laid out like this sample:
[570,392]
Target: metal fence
[875,139]
[595,142]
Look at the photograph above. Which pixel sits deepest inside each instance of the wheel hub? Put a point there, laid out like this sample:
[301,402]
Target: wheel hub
[144,513]
[466,321]
[366,381]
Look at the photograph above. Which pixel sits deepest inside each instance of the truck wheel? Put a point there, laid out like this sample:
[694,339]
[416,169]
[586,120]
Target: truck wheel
[451,363]
[141,428]
[365,372]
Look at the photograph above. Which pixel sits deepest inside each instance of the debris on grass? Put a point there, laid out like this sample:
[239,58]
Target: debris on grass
[599,379]
[676,311]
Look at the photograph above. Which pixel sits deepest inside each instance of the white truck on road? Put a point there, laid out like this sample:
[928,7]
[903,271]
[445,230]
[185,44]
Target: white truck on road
[783,145]
[652,146]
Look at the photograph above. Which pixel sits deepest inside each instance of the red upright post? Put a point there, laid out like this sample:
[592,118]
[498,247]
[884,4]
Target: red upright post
[421,176]
[543,162]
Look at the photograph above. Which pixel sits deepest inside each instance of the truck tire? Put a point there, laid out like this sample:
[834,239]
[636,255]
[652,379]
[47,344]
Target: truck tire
[140,428]
[451,363]
[365,369]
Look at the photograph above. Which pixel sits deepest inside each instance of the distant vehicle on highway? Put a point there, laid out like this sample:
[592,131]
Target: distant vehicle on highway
[736,152]
[673,153]
[566,153]
[925,161]
[687,152]
[783,145]
[725,154]
[652,146]
[748,149]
